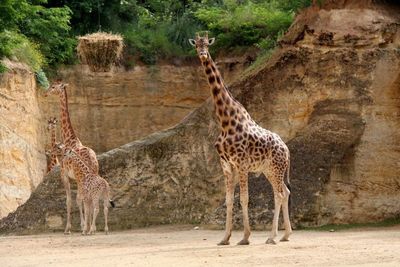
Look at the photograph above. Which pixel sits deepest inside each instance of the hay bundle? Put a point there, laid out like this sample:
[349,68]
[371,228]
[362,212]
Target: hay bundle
[100,50]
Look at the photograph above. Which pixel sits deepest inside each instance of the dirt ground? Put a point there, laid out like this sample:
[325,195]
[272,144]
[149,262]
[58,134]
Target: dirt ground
[184,246]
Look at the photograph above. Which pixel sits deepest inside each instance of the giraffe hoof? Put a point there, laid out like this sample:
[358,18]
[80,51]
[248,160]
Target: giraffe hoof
[284,239]
[243,242]
[67,232]
[270,241]
[223,243]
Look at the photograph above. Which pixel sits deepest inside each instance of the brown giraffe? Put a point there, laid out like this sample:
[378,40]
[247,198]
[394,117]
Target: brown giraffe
[71,141]
[52,157]
[243,147]
[91,187]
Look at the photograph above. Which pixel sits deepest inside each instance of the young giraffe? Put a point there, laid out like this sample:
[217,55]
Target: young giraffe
[243,147]
[71,141]
[91,187]
[52,157]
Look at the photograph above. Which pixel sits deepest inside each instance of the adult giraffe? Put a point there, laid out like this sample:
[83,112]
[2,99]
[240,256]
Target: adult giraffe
[243,147]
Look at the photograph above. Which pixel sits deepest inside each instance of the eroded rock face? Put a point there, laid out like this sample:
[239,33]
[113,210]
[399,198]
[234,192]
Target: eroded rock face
[111,109]
[106,109]
[22,158]
[335,103]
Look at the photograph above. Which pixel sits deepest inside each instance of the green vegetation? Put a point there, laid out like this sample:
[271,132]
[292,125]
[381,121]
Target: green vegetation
[42,33]
[157,29]
[34,34]
[339,227]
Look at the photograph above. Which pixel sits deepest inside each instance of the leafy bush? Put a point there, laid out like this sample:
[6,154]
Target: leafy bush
[42,80]
[247,24]
[36,35]
[153,29]
[2,68]
[18,47]
[49,28]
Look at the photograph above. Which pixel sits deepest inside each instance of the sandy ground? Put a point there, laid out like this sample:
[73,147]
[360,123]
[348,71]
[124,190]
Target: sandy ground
[184,246]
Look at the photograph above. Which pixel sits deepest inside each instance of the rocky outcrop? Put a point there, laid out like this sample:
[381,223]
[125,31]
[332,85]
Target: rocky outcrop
[114,108]
[106,109]
[333,99]
[22,158]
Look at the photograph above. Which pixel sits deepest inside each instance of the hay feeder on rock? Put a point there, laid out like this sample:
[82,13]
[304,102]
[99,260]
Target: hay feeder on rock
[100,50]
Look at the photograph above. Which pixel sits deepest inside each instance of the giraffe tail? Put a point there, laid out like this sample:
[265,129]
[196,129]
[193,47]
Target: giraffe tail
[288,183]
[107,196]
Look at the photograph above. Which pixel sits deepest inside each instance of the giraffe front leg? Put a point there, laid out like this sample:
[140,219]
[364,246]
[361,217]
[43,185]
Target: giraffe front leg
[79,201]
[229,186]
[244,201]
[67,187]
[86,206]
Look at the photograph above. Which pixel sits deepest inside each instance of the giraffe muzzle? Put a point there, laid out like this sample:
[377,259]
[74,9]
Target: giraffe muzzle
[203,56]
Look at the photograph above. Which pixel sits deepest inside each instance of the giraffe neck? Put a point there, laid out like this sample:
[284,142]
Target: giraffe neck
[79,166]
[226,107]
[53,158]
[67,132]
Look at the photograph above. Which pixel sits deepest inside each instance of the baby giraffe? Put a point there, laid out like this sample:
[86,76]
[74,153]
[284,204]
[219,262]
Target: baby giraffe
[91,187]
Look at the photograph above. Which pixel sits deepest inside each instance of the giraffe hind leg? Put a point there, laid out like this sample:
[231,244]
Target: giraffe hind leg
[276,181]
[105,216]
[95,209]
[285,211]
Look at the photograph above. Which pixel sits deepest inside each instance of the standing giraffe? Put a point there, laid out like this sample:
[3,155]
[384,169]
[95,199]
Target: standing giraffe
[243,147]
[53,160]
[71,141]
[91,187]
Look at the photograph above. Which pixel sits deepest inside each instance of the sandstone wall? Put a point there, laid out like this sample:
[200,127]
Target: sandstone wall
[331,91]
[107,110]
[115,108]
[22,158]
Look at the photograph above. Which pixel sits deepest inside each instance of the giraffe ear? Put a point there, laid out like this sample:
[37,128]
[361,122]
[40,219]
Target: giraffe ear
[211,41]
[192,42]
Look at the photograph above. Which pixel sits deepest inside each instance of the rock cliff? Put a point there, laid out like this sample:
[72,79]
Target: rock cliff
[332,91]
[114,108]
[22,158]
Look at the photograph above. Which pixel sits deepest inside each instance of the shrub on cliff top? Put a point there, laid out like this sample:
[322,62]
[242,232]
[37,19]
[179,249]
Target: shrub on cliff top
[43,32]
[18,47]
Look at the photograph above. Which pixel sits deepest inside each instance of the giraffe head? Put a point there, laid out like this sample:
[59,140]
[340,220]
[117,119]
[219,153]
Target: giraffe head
[59,149]
[56,88]
[68,152]
[51,123]
[201,44]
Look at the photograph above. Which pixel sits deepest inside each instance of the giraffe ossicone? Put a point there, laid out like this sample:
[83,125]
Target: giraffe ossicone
[244,146]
